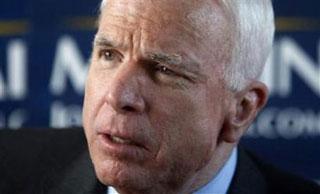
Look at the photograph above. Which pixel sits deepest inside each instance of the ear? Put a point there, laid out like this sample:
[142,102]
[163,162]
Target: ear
[245,107]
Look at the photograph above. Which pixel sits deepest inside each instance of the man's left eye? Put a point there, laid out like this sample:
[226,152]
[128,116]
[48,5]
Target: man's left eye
[165,70]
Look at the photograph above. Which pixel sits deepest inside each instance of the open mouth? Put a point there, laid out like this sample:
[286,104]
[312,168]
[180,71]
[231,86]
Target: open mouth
[122,148]
[121,141]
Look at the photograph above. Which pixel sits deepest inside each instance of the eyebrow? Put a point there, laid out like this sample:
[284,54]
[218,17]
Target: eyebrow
[165,58]
[103,42]
[175,60]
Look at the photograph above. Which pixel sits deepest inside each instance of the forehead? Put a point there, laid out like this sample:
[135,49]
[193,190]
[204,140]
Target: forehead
[184,23]
[192,12]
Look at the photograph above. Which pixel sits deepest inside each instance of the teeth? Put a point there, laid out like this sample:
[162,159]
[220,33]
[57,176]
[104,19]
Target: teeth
[120,140]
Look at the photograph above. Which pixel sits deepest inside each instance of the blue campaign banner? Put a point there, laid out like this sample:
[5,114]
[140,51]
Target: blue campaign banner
[45,47]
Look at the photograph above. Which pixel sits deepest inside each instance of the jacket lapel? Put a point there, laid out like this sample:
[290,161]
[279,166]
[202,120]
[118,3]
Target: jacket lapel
[247,179]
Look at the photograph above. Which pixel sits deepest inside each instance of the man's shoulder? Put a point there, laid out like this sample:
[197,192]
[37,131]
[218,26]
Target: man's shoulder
[254,174]
[28,155]
[280,181]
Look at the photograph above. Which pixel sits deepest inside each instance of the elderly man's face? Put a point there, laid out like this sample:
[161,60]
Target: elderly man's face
[155,100]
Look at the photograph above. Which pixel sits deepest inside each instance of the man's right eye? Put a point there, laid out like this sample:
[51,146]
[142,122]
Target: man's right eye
[107,55]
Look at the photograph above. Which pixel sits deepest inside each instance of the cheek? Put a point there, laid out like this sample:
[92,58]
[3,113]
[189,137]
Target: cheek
[93,100]
[188,132]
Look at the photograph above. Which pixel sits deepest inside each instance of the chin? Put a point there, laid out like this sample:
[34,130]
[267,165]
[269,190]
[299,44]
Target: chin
[122,175]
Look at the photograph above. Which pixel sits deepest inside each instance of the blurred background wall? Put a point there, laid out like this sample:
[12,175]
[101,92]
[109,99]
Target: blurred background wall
[45,47]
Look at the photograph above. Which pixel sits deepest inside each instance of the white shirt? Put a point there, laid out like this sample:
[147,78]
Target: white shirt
[219,184]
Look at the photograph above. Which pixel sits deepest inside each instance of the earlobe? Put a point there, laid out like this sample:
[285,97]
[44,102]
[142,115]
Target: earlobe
[247,104]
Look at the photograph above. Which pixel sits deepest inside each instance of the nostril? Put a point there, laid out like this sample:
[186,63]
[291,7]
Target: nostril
[128,108]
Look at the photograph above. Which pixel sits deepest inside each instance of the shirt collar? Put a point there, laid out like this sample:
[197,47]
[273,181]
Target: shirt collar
[219,184]
[111,190]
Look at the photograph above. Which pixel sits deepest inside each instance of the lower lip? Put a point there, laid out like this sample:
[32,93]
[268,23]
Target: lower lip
[121,151]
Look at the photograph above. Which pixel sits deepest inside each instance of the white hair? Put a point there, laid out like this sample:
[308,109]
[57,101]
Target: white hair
[103,3]
[254,27]
[253,32]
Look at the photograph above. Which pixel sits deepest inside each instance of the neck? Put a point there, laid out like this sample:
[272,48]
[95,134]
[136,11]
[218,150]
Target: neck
[209,172]
[194,182]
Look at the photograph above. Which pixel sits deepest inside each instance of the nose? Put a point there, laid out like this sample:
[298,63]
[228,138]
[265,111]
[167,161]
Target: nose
[124,91]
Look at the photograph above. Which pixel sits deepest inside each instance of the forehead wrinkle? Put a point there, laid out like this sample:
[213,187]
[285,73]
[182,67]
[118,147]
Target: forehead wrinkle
[141,10]
[132,23]
[166,17]
[190,31]
[135,18]
[112,19]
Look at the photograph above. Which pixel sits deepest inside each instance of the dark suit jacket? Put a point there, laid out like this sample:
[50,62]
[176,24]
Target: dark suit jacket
[57,162]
